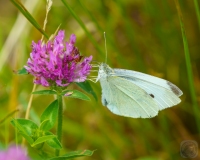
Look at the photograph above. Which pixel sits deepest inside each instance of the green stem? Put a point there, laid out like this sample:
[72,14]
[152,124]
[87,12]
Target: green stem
[197,11]
[189,67]
[60,119]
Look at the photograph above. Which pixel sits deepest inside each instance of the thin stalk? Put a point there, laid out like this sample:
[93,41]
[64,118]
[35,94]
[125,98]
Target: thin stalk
[197,11]
[16,135]
[189,67]
[29,17]
[6,134]
[130,34]
[29,103]
[60,121]
[48,7]
[7,116]
[28,109]
[110,41]
[83,26]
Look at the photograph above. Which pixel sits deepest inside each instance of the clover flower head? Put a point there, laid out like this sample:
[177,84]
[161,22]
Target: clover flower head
[58,63]
[14,153]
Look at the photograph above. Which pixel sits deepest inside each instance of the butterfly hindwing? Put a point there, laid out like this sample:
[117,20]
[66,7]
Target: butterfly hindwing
[108,97]
[124,98]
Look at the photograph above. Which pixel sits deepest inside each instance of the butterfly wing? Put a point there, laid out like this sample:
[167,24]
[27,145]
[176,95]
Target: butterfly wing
[122,97]
[163,92]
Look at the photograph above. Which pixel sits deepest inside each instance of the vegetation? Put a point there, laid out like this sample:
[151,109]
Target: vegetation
[159,38]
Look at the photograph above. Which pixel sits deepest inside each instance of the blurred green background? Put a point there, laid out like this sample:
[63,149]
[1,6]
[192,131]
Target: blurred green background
[142,35]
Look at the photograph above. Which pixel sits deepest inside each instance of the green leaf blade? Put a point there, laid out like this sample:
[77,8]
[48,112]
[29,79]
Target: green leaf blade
[54,142]
[49,116]
[28,138]
[43,139]
[22,71]
[44,125]
[25,126]
[76,94]
[87,87]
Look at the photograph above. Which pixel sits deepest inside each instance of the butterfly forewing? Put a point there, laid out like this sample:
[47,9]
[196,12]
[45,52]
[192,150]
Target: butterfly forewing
[163,92]
[150,79]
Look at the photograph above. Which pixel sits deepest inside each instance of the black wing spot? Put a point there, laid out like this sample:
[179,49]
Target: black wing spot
[152,95]
[104,101]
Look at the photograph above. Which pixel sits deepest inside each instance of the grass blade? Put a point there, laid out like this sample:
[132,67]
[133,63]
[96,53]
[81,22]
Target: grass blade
[7,116]
[130,34]
[120,56]
[188,66]
[197,12]
[83,27]
[29,17]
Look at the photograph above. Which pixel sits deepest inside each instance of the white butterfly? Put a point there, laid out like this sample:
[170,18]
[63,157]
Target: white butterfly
[134,94]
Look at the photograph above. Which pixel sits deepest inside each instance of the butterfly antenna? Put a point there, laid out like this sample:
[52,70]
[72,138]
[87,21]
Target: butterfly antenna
[105,47]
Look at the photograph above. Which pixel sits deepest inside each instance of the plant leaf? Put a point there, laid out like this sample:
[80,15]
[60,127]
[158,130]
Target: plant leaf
[22,71]
[25,126]
[22,130]
[42,139]
[76,94]
[28,138]
[87,87]
[29,17]
[44,92]
[54,142]
[74,154]
[44,125]
[49,116]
